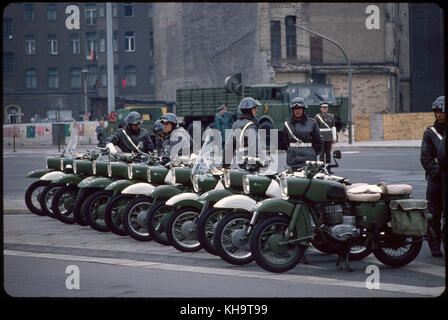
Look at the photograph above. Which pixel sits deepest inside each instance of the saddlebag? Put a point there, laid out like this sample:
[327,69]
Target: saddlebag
[409,217]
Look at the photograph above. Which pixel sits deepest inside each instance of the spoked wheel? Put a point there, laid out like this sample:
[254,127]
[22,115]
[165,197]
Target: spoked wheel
[32,196]
[268,245]
[181,230]
[357,252]
[79,204]
[113,213]
[206,227]
[157,220]
[134,218]
[93,209]
[63,202]
[231,239]
[47,196]
[397,251]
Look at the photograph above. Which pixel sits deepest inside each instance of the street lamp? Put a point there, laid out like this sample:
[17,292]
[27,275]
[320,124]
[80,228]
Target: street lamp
[349,78]
[84,72]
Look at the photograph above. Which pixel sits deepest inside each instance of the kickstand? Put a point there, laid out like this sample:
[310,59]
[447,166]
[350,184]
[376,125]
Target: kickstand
[346,255]
[304,259]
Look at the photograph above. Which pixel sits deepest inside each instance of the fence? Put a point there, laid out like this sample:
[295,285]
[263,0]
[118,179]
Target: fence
[30,134]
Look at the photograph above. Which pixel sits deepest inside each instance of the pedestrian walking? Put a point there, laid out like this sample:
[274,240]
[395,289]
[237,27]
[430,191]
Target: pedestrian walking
[432,138]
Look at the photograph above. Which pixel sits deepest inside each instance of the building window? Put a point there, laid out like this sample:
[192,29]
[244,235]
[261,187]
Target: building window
[30,44]
[75,46]
[103,76]
[316,56]
[291,48]
[92,75]
[129,43]
[75,78]
[7,29]
[114,10]
[128,9]
[101,10]
[150,10]
[115,41]
[102,38]
[30,78]
[51,12]
[8,63]
[29,12]
[131,76]
[151,43]
[91,45]
[151,75]
[52,44]
[276,44]
[53,78]
[90,14]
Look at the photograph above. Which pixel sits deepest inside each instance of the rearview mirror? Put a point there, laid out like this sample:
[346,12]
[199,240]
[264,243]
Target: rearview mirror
[337,154]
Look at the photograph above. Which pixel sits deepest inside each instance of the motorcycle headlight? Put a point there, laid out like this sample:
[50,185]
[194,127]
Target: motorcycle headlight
[130,175]
[284,187]
[227,178]
[195,183]
[109,169]
[246,184]
[94,167]
[75,167]
[148,174]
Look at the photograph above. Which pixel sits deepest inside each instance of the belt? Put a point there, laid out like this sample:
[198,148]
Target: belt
[300,145]
[325,129]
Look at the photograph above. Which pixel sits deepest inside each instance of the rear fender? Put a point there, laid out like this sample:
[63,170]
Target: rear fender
[138,188]
[236,201]
[38,173]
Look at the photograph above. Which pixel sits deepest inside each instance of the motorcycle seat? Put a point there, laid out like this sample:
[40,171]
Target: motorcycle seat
[363,192]
[395,189]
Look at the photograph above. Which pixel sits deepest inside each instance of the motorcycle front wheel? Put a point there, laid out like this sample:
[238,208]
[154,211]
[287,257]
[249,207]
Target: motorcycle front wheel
[267,248]
[231,240]
[47,196]
[134,218]
[79,206]
[181,230]
[63,202]
[32,196]
[206,227]
[156,221]
[113,213]
[93,210]
[399,252]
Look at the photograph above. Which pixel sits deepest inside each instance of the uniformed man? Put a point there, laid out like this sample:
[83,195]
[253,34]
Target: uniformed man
[327,128]
[170,123]
[220,122]
[160,136]
[128,138]
[432,138]
[100,134]
[302,136]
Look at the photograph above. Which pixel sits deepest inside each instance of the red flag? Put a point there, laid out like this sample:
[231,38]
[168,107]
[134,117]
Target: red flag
[92,55]
[124,83]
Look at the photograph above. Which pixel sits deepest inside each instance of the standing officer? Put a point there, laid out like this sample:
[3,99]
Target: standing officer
[128,138]
[302,135]
[432,138]
[326,123]
[100,134]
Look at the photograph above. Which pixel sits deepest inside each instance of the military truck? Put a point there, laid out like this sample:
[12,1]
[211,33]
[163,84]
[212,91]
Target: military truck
[200,104]
[150,111]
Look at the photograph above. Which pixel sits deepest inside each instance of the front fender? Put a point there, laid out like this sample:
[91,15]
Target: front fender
[95,182]
[189,196]
[139,188]
[236,201]
[164,192]
[119,185]
[275,205]
[214,196]
[53,175]
[69,178]
[38,173]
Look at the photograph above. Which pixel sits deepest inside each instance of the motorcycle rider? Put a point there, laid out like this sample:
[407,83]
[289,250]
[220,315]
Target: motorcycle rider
[160,136]
[327,128]
[170,125]
[431,140]
[245,124]
[128,138]
[301,133]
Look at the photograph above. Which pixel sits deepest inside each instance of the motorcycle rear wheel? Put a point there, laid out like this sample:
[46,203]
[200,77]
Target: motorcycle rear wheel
[267,250]
[32,196]
[397,257]
[230,238]
[134,218]
[182,231]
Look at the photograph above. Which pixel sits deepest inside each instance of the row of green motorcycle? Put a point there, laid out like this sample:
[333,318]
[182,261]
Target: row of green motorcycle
[240,215]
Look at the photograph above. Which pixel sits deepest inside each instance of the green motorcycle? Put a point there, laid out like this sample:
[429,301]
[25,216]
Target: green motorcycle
[375,217]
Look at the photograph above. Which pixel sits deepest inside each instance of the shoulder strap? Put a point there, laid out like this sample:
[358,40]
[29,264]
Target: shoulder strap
[130,140]
[318,115]
[290,132]
[243,130]
[436,133]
